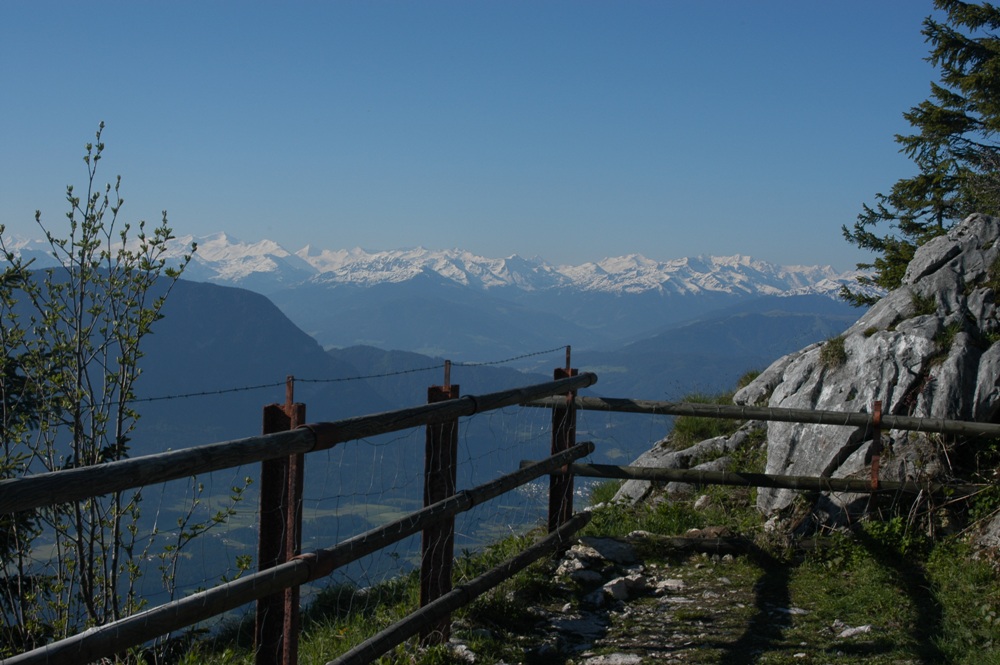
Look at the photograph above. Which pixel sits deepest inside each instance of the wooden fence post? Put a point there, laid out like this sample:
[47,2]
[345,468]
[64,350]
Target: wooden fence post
[563,438]
[276,628]
[438,541]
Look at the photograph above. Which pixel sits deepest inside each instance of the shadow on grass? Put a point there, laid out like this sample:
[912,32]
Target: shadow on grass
[766,629]
[915,584]
[765,632]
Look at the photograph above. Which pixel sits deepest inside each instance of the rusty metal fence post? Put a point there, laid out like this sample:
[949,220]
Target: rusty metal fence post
[276,628]
[876,447]
[563,438]
[440,478]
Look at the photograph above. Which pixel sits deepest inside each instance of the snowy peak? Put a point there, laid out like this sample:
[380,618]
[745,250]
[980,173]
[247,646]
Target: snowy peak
[222,247]
[223,259]
[692,275]
[266,266]
[359,267]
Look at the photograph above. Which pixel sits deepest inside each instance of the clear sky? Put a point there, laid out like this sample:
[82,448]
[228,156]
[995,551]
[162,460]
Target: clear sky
[567,130]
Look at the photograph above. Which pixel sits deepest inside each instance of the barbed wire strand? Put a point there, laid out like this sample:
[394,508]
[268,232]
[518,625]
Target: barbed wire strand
[263,386]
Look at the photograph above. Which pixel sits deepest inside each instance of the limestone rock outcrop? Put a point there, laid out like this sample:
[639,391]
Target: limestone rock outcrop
[708,455]
[930,348]
[927,349]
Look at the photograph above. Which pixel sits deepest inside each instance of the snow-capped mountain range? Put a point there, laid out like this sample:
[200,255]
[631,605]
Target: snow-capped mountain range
[266,266]
[468,306]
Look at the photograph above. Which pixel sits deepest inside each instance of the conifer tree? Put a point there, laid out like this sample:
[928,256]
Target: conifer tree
[954,147]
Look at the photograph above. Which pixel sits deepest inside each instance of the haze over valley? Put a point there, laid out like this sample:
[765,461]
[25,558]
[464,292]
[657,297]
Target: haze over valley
[367,332]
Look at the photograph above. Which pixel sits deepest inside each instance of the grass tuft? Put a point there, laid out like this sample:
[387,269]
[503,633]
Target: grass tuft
[833,354]
[923,305]
[689,430]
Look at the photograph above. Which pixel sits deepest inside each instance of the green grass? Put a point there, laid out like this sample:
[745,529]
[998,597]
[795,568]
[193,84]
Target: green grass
[833,354]
[930,607]
[338,618]
[604,492]
[689,430]
[666,518]
[927,601]
[945,339]
[993,275]
[923,305]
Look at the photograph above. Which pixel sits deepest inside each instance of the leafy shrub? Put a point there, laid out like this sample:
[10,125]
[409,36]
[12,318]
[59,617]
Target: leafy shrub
[985,504]
[895,536]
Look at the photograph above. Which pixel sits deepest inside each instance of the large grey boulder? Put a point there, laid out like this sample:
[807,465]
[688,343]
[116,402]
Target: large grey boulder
[926,349]
[708,455]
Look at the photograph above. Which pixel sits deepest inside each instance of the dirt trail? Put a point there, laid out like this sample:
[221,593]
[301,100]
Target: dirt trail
[618,608]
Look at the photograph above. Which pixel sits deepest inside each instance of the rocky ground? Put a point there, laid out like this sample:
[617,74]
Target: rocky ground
[928,349]
[649,599]
[645,612]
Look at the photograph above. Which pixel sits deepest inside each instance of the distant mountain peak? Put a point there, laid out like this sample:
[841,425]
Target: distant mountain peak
[266,266]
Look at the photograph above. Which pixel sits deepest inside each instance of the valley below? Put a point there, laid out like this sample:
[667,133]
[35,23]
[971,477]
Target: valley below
[222,352]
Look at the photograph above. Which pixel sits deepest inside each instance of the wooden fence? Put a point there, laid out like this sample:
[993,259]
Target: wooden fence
[283,569]
[872,423]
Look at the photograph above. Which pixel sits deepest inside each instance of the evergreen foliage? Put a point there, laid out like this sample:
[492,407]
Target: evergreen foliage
[954,147]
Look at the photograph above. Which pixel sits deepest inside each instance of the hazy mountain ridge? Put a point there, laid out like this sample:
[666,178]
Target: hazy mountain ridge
[708,354]
[633,273]
[265,266]
[456,304]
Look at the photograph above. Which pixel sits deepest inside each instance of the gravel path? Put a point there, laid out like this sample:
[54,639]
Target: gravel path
[619,609]
[639,612]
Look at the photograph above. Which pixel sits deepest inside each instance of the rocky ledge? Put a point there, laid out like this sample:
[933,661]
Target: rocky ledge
[619,606]
[927,349]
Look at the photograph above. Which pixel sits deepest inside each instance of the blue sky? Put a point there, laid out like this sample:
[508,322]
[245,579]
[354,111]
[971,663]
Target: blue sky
[567,130]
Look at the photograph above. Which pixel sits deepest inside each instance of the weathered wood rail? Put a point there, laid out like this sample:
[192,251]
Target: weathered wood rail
[433,612]
[442,502]
[107,640]
[62,486]
[743,479]
[296,569]
[777,414]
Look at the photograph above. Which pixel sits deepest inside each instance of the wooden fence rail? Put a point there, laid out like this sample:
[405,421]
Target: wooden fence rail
[44,489]
[109,639]
[733,412]
[431,613]
[105,641]
[740,479]
[282,443]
